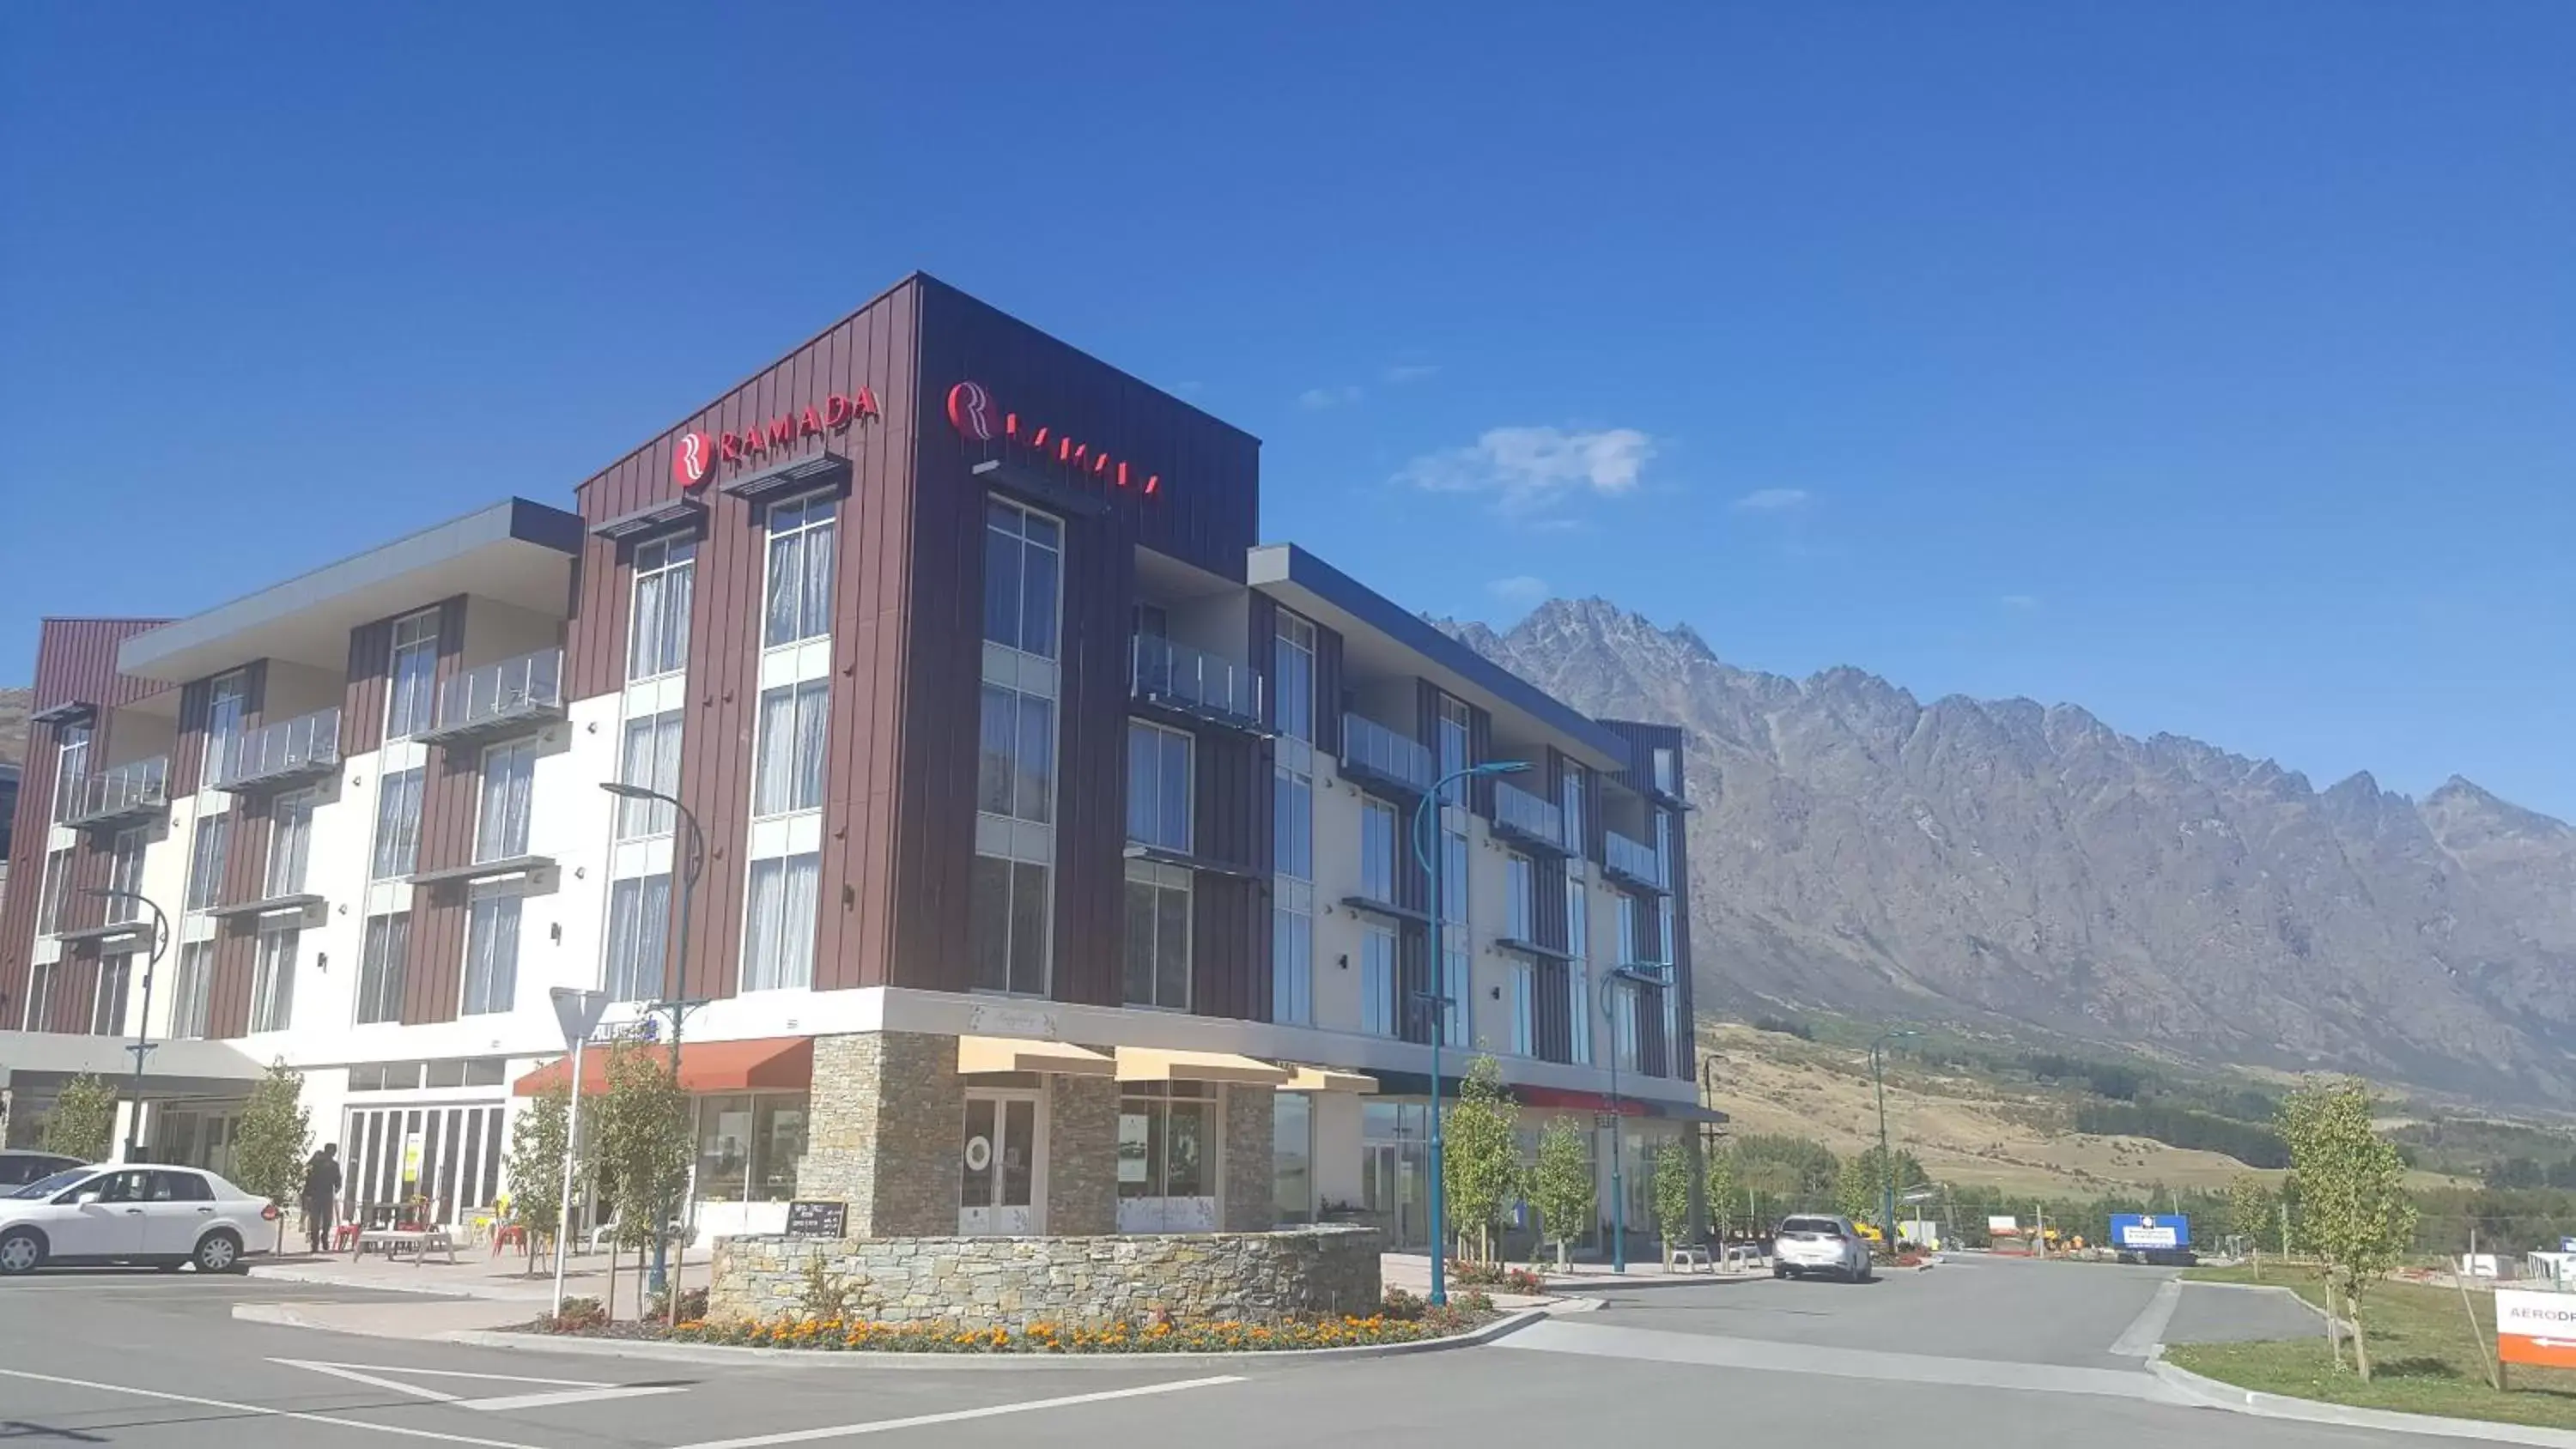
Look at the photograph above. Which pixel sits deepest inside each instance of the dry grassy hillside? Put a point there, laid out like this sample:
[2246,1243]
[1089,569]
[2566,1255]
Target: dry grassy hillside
[14,707]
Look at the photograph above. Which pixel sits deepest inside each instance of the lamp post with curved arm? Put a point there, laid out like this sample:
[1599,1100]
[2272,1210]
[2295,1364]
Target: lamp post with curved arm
[674,989]
[1886,1164]
[1630,974]
[143,1043]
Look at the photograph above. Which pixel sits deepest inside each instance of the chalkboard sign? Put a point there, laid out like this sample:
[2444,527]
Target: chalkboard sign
[818,1219]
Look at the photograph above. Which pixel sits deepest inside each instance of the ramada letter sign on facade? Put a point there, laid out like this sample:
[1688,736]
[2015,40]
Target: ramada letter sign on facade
[979,419]
[696,454]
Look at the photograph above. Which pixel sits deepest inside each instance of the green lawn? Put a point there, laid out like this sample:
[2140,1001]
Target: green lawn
[2425,1358]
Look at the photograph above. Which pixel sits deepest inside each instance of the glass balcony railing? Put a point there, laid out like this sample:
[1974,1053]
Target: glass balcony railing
[1520,813]
[1373,752]
[288,751]
[1633,860]
[1194,682]
[499,698]
[114,797]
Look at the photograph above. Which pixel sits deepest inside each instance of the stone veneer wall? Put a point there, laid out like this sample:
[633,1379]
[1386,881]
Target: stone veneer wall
[1084,1282]
[1250,1181]
[881,1131]
[1082,1155]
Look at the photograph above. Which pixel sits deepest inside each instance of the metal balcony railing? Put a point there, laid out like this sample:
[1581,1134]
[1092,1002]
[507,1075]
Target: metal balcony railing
[284,753]
[1374,753]
[500,698]
[1195,682]
[1634,861]
[130,792]
[1519,813]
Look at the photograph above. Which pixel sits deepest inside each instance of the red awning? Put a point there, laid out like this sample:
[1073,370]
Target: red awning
[1571,1100]
[770,1063]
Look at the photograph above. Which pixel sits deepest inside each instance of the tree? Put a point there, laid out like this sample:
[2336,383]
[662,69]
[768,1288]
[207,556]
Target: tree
[640,1149]
[1672,1192]
[2250,1212]
[2352,1200]
[1561,1187]
[1855,1190]
[83,1122]
[273,1139]
[1481,1156]
[1722,1189]
[1881,1182]
[539,1142]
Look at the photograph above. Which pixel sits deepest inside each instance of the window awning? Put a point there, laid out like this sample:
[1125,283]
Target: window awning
[1025,1054]
[1161,1064]
[1325,1079]
[770,1063]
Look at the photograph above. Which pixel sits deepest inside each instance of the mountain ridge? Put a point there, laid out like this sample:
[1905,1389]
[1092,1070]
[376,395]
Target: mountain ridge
[2016,864]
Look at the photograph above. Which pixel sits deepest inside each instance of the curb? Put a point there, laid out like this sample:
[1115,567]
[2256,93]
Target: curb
[2211,1393]
[426,1290]
[713,1353]
[292,1315]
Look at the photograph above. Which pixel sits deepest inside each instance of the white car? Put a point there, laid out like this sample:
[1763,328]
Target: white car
[122,1213]
[1810,1244]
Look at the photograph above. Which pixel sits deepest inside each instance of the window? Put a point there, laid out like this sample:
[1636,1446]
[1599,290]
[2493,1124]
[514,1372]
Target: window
[657,640]
[801,535]
[1377,850]
[225,702]
[1671,990]
[381,967]
[1293,677]
[1015,766]
[1453,747]
[1457,983]
[789,775]
[412,675]
[1023,564]
[1663,847]
[41,980]
[1293,825]
[1525,1008]
[491,955]
[748,1143]
[639,932]
[57,889]
[1570,794]
[1007,934]
[192,989]
[1578,973]
[651,758]
[272,982]
[1667,777]
[778,933]
[509,782]
[1292,1156]
[1377,981]
[1624,1025]
[290,844]
[1292,956]
[1519,894]
[206,852]
[125,873]
[71,767]
[1453,878]
[1158,936]
[1158,786]
[397,825]
[1167,1140]
[107,1004]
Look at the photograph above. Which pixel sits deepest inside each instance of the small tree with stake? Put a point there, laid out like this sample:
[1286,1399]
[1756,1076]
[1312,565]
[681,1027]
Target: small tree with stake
[1672,1193]
[1722,1190]
[273,1140]
[1482,1154]
[83,1122]
[1561,1187]
[639,1149]
[2353,1208]
[539,1142]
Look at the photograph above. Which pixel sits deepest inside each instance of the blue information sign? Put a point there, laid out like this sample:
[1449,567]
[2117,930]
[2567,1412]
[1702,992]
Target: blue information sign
[2150,1230]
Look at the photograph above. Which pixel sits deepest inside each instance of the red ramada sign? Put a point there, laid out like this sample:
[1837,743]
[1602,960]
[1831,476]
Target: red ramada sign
[696,454]
[979,419]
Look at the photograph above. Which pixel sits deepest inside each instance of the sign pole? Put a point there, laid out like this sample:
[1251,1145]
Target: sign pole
[563,1205]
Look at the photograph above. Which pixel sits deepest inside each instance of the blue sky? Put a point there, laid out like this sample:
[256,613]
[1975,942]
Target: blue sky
[2210,365]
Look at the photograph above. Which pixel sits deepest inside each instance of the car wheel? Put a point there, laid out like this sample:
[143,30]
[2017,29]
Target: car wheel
[1779,1272]
[21,1251]
[219,1252]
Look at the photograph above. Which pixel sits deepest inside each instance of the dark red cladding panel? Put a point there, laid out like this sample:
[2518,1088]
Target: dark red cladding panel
[434,976]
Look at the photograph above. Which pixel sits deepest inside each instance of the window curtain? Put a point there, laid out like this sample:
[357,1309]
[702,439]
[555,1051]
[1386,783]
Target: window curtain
[652,760]
[639,932]
[290,846]
[491,955]
[381,971]
[193,992]
[661,624]
[789,773]
[786,557]
[397,824]
[816,612]
[780,932]
[508,776]
[273,994]
[813,719]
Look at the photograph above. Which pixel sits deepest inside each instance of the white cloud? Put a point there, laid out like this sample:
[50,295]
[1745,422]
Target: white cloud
[1772,500]
[2020,601]
[1529,470]
[1327,397]
[1520,591]
[1404,372]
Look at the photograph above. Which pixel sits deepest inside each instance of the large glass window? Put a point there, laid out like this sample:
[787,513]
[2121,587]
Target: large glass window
[1663,847]
[1292,1156]
[1158,786]
[41,981]
[397,825]
[1570,801]
[125,874]
[1023,568]
[1377,850]
[651,758]
[778,933]
[1671,992]
[1007,925]
[1624,1025]
[1520,890]
[1667,773]
[1525,1008]
[226,702]
[509,786]
[1292,957]
[1293,677]
[290,843]
[789,774]
[639,929]
[272,982]
[491,955]
[57,890]
[801,537]
[1578,972]
[1293,825]
[1631,949]
[412,675]
[71,766]
[748,1143]
[1378,1015]
[1167,1146]
[1158,936]
[192,989]
[382,967]
[107,1004]
[206,852]
[1015,766]
[657,641]
[1453,747]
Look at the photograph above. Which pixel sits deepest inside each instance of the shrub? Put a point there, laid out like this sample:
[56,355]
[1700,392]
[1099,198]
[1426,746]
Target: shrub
[1468,1273]
[693,1305]
[580,1315]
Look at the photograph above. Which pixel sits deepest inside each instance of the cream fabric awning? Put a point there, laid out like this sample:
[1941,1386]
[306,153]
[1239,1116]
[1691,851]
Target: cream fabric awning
[1159,1064]
[1325,1079]
[1023,1054]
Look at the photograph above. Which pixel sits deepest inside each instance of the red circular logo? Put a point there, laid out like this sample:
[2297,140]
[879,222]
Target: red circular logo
[970,411]
[690,458]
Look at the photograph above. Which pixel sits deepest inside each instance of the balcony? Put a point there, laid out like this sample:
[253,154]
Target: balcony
[1179,680]
[1633,861]
[500,699]
[1376,755]
[1522,816]
[123,796]
[276,756]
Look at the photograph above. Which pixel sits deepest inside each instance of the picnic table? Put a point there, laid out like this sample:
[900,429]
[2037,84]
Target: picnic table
[420,1242]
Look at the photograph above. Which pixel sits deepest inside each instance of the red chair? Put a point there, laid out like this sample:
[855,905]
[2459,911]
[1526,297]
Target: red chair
[344,1237]
[509,1234]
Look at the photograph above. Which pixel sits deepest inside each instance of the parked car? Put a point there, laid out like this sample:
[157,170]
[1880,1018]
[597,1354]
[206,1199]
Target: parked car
[19,1166]
[122,1213]
[1812,1243]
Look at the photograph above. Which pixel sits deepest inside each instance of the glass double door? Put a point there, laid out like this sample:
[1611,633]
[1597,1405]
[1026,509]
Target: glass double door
[1001,1166]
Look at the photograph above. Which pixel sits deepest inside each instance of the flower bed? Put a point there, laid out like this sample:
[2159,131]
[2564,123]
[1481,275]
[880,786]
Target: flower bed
[1469,1273]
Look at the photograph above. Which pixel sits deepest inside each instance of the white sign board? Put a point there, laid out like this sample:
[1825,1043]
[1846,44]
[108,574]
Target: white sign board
[2004,1227]
[2536,1328]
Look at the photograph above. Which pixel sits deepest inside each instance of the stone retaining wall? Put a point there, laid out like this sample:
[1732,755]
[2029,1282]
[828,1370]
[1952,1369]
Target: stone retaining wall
[1086,1282]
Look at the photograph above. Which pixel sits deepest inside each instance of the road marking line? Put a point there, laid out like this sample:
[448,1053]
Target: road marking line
[559,1391]
[262,1410]
[880,1426]
[2147,1330]
[570,1396]
[1657,1345]
[346,1371]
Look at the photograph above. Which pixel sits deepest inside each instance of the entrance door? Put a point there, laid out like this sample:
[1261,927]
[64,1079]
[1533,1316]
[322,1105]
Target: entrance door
[1390,1194]
[1000,1170]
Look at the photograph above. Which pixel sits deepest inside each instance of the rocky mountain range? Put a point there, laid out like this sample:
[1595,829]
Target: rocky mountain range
[2001,864]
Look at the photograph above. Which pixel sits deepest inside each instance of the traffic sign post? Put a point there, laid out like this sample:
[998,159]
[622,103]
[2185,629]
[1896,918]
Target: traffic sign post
[578,1013]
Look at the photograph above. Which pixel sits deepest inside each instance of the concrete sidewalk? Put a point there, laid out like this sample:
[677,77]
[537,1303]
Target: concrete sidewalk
[473,1275]
[1412,1272]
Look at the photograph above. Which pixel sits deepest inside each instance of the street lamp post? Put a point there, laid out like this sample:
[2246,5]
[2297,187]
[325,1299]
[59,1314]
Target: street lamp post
[1439,1001]
[143,1043]
[1886,1163]
[674,990]
[1631,975]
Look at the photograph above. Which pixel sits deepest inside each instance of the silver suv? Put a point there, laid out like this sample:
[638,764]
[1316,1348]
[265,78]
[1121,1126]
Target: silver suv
[1814,1244]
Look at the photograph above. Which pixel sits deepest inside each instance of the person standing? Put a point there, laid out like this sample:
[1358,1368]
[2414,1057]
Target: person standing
[321,1195]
